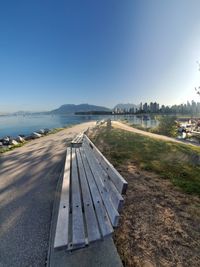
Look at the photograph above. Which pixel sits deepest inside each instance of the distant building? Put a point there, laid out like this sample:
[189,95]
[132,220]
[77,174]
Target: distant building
[151,107]
[140,106]
[145,107]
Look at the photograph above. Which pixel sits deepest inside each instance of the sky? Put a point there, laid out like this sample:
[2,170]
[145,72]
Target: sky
[102,52]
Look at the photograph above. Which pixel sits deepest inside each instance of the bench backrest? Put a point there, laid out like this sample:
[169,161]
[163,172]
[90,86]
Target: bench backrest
[113,174]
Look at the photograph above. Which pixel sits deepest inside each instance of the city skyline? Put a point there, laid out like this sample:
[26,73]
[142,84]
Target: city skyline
[191,107]
[103,53]
[144,107]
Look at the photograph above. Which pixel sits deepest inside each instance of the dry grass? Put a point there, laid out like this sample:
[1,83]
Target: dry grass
[160,223]
[160,226]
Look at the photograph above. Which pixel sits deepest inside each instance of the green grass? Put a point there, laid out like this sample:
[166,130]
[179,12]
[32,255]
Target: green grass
[177,162]
[167,126]
[140,127]
[6,149]
[55,130]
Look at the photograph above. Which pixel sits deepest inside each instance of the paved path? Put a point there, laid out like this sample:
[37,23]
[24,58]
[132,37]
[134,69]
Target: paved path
[28,179]
[126,127]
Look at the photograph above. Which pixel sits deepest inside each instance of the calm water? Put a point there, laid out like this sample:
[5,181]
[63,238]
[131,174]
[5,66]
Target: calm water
[15,125]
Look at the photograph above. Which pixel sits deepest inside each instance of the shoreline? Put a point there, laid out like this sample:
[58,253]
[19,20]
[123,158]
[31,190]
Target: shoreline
[7,148]
[126,126]
[23,126]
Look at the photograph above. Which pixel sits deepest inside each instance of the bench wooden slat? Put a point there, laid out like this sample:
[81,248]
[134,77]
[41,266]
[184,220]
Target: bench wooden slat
[115,176]
[74,140]
[115,196]
[102,216]
[90,216]
[61,236]
[78,138]
[78,232]
[112,212]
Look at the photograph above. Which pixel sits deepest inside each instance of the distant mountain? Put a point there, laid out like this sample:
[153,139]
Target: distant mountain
[71,109]
[77,109]
[127,106]
[21,112]
[24,113]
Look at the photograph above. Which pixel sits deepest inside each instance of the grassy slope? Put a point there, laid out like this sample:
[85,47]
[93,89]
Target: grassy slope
[170,160]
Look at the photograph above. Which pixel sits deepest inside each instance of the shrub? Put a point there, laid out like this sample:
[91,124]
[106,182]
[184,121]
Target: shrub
[167,126]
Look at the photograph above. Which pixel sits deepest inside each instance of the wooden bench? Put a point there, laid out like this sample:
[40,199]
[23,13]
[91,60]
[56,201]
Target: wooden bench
[102,122]
[77,141]
[91,198]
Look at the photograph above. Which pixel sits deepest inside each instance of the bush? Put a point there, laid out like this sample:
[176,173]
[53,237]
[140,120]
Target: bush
[167,126]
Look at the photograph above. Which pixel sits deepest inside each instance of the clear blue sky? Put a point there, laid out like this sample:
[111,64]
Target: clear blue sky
[101,52]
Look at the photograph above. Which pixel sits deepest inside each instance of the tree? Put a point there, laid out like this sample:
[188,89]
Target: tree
[167,126]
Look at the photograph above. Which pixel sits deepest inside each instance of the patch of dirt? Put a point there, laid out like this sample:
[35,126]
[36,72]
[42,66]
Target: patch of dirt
[159,226]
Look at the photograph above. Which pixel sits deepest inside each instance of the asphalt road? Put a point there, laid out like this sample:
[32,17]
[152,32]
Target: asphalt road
[28,179]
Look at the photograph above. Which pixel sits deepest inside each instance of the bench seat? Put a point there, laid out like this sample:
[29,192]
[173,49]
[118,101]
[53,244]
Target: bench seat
[77,141]
[91,198]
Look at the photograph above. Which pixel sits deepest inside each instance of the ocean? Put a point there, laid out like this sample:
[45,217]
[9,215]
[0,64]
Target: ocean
[26,124]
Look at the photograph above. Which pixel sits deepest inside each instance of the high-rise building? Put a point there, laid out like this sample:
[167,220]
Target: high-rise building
[145,107]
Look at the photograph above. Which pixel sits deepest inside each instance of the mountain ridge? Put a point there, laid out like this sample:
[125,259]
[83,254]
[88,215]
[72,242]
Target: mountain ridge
[75,108]
[72,108]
